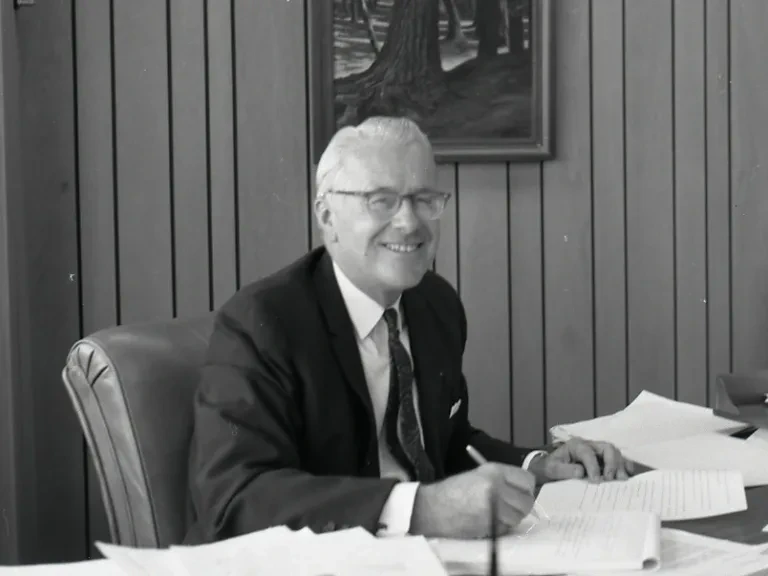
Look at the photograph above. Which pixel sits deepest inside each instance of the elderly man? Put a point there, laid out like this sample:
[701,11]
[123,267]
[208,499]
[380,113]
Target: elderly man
[332,395]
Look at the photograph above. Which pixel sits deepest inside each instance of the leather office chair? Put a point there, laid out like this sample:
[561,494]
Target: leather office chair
[132,388]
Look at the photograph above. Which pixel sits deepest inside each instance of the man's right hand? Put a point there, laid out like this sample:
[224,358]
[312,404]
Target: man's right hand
[459,506]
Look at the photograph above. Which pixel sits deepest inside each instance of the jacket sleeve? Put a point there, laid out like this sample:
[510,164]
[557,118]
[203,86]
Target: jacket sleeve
[246,455]
[464,433]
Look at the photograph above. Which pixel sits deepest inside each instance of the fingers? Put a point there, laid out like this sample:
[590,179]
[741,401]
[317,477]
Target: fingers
[515,494]
[584,453]
[612,460]
[514,505]
[564,470]
[519,478]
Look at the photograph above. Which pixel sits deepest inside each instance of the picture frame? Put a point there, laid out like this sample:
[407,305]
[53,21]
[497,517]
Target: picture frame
[509,118]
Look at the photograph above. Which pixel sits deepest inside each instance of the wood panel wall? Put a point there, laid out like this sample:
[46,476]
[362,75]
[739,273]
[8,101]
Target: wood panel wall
[179,170]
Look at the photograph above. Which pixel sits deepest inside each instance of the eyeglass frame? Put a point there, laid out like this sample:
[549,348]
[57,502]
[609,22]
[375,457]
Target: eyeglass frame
[366,196]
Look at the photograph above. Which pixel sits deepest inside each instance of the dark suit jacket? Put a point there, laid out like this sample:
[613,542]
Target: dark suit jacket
[284,428]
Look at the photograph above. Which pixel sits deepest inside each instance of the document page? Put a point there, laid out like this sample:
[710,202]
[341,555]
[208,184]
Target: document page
[672,494]
[707,451]
[613,541]
[691,554]
[227,557]
[352,552]
[142,561]
[86,568]
[759,438]
[648,419]
[403,556]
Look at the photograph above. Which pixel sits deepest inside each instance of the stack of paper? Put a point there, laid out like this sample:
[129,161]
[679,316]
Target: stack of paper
[665,434]
[559,543]
[285,552]
[277,550]
[649,419]
[694,555]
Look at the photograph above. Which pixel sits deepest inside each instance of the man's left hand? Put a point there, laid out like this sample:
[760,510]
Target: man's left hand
[578,458]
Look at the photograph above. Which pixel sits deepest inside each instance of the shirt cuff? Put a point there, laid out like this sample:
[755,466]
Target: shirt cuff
[530,457]
[395,519]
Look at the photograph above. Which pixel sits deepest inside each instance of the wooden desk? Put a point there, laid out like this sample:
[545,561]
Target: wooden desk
[745,527]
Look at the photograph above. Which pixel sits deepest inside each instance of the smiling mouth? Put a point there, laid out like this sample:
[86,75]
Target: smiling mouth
[403,248]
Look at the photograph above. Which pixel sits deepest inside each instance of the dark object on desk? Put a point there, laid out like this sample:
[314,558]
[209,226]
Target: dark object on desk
[742,397]
[132,389]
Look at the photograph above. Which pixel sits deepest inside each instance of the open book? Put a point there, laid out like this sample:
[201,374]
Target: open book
[594,543]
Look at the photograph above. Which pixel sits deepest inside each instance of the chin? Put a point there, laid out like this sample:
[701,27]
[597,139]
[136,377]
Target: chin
[404,279]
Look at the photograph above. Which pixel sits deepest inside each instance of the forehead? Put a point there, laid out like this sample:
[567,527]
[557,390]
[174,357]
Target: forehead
[400,167]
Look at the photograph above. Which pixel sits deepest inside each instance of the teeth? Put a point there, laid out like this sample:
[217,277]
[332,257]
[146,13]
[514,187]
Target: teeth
[402,247]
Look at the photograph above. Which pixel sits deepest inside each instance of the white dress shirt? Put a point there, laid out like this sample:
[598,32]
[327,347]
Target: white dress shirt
[367,317]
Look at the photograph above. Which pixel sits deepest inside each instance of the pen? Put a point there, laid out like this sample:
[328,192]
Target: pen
[480,460]
[494,571]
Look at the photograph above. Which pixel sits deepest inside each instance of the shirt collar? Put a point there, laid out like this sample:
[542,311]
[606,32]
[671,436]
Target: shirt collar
[364,311]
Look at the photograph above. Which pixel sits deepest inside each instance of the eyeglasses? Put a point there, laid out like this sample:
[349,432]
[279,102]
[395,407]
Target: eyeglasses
[384,204]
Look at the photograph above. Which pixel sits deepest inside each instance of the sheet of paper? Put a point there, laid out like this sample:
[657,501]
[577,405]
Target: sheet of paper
[386,557]
[100,567]
[142,561]
[344,552]
[220,557]
[614,541]
[753,562]
[649,418]
[707,451]
[672,494]
[759,438]
[683,552]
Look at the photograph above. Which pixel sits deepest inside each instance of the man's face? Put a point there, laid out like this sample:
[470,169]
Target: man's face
[382,256]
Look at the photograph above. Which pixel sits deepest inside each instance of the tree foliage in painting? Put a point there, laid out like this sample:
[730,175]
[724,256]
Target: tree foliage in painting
[488,91]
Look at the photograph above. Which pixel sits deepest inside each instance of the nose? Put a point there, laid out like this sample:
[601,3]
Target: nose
[405,218]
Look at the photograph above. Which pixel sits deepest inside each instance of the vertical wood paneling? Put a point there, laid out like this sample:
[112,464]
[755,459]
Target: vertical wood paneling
[188,146]
[718,191]
[271,135]
[143,169]
[567,212]
[690,200]
[483,278]
[446,262]
[608,208]
[93,52]
[50,449]
[526,294]
[12,251]
[749,183]
[221,150]
[650,196]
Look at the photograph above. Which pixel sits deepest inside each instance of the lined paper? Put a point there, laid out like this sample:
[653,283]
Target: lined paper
[672,494]
[609,541]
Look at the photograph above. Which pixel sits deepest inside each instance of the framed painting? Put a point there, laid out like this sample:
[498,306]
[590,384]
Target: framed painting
[474,74]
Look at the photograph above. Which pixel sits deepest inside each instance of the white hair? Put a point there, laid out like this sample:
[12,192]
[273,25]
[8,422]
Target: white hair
[348,141]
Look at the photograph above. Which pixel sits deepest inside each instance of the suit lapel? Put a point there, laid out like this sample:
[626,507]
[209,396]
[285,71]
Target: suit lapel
[425,339]
[343,335]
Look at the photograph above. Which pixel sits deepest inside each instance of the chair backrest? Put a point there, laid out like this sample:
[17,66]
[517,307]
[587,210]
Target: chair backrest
[132,388]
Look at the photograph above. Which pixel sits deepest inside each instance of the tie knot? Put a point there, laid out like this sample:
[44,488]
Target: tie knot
[390,317]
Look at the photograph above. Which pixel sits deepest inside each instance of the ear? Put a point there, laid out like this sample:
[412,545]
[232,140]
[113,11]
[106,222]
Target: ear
[324,215]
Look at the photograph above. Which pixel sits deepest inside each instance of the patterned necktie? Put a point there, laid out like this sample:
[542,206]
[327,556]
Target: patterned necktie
[401,412]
